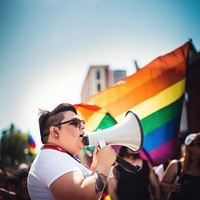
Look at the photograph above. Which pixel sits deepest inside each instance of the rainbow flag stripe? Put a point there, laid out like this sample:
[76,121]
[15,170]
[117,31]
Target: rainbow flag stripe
[31,144]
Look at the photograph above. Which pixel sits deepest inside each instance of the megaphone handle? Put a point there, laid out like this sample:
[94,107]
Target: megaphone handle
[102,143]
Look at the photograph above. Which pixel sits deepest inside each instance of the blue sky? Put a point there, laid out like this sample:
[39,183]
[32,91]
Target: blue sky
[47,46]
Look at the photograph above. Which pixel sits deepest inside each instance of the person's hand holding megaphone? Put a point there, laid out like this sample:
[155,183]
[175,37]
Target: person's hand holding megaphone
[102,161]
[106,156]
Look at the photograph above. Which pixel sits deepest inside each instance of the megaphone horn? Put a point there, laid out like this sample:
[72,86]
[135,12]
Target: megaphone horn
[127,133]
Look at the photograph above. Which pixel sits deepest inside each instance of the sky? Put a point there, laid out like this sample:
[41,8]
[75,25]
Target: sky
[47,47]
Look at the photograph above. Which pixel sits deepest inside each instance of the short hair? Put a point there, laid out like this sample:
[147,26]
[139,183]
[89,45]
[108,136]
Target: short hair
[49,118]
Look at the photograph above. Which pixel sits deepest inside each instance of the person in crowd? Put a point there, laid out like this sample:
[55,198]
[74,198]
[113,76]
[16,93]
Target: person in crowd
[7,182]
[181,180]
[56,173]
[23,190]
[128,186]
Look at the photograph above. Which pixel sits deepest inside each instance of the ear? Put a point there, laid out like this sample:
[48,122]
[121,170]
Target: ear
[53,131]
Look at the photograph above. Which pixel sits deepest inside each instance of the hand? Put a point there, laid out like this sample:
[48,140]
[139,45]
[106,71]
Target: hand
[176,187]
[106,155]
[94,159]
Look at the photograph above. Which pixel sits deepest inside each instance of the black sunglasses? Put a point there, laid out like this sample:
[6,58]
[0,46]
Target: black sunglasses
[74,121]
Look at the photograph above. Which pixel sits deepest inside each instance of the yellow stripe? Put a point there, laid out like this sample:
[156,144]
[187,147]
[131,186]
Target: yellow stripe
[95,119]
[158,101]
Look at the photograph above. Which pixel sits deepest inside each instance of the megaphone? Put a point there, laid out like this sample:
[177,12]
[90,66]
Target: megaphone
[127,133]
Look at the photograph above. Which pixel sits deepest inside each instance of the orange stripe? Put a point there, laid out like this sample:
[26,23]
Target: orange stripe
[85,110]
[140,94]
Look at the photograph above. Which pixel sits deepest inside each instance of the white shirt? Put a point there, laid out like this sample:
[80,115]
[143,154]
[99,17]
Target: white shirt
[49,165]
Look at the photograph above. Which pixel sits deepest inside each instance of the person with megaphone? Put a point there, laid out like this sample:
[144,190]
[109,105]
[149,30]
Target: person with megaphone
[56,174]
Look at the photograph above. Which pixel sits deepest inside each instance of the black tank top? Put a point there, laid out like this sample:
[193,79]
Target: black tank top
[190,188]
[133,186]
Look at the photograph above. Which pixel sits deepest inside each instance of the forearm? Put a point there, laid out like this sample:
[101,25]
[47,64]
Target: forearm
[156,192]
[100,174]
[166,187]
[97,182]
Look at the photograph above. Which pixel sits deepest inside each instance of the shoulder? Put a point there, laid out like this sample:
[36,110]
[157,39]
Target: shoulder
[174,161]
[53,163]
[173,164]
[171,171]
[56,165]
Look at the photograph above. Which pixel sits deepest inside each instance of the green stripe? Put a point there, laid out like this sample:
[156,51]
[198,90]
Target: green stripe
[162,116]
[106,122]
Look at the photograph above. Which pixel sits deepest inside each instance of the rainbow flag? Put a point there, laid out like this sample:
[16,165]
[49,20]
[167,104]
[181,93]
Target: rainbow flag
[155,93]
[31,144]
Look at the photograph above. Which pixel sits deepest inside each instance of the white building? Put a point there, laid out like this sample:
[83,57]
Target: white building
[99,78]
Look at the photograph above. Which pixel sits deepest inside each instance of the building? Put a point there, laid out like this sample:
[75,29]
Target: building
[99,78]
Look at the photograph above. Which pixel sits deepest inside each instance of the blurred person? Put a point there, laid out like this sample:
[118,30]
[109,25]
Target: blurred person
[22,176]
[12,184]
[128,186]
[181,179]
[56,173]
[10,187]
[7,195]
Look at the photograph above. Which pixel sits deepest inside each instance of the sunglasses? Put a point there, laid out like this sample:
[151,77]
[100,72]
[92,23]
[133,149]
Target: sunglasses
[74,121]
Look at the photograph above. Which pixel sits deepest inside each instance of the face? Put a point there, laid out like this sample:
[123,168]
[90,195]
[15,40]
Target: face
[70,135]
[195,147]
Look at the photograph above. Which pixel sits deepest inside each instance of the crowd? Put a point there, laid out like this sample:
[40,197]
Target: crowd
[180,179]
[13,183]
[56,173]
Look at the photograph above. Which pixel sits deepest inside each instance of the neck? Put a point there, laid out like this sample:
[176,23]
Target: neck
[53,146]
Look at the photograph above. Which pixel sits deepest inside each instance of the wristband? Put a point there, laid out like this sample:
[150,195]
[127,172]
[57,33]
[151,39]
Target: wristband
[100,182]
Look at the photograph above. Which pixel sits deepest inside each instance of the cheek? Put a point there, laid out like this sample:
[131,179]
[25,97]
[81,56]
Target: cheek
[73,133]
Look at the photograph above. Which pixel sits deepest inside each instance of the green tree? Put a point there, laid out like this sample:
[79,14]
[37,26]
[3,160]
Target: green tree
[12,147]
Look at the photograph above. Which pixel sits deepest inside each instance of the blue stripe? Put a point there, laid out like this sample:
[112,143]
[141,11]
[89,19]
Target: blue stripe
[161,135]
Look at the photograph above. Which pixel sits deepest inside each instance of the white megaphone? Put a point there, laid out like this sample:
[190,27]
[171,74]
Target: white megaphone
[127,133]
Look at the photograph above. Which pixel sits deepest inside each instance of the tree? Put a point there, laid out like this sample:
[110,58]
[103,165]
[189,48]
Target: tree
[12,147]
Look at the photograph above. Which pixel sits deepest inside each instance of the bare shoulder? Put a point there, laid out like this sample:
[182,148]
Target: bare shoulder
[171,171]
[172,166]
[174,161]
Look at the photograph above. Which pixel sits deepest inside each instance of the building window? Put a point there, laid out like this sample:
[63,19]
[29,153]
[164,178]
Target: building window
[98,75]
[98,87]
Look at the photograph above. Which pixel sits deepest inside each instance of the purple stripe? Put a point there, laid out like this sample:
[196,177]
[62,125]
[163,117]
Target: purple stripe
[162,153]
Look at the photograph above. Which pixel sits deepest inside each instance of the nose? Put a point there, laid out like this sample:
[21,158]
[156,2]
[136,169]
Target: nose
[82,126]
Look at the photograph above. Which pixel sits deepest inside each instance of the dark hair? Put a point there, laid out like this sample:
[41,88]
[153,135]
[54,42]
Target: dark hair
[48,119]
[123,152]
